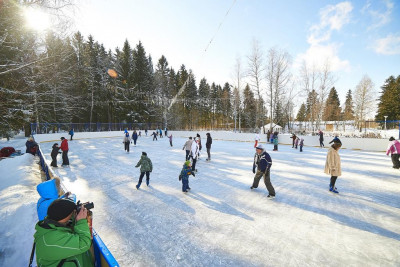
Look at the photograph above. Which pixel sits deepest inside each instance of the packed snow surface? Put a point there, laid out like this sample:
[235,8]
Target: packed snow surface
[221,222]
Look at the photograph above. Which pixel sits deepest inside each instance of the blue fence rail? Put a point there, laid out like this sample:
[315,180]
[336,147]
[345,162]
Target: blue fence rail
[103,257]
[46,127]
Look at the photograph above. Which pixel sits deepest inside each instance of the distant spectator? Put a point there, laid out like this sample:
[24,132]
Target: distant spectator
[394,150]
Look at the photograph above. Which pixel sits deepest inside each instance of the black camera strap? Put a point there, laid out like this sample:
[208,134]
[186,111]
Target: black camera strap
[32,254]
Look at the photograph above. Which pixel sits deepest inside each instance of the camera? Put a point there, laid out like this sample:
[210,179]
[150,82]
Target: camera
[87,205]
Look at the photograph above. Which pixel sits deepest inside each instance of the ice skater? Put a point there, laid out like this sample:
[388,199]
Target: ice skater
[394,151]
[134,137]
[208,146]
[194,153]
[301,144]
[276,141]
[321,138]
[126,141]
[296,143]
[256,139]
[154,136]
[54,154]
[184,176]
[65,149]
[146,167]
[263,162]
[332,165]
[170,139]
[188,146]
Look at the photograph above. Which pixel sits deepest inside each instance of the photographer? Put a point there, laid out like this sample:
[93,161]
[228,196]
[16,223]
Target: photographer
[63,238]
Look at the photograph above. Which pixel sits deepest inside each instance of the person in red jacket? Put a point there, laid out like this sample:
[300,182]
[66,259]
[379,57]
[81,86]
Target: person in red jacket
[64,148]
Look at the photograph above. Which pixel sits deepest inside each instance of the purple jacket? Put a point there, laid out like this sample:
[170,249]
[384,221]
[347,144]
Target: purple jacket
[393,148]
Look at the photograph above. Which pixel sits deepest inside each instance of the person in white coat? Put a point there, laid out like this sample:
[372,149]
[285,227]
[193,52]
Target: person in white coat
[194,153]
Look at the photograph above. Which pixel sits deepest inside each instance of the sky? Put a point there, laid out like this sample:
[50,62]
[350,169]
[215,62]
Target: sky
[358,37]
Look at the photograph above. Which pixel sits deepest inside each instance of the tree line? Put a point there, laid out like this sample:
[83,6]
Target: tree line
[66,79]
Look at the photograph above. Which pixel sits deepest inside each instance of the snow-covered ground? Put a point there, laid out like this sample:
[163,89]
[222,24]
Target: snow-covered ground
[221,222]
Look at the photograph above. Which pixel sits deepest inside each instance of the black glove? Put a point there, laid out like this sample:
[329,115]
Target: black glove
[193,174]
[254,170]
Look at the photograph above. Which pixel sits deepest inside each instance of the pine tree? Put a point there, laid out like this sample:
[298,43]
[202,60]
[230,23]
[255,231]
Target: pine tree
[204,103]
[348,113]
[389,100]
[249,108]
[302,113]
[332,109]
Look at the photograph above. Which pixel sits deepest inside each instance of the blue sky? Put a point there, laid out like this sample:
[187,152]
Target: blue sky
[358,37]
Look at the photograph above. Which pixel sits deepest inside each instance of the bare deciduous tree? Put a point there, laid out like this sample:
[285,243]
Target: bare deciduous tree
[255,73]
[278,76]
[364,97]
[238,77]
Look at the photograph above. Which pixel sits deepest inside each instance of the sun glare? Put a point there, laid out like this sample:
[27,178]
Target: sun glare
[36,19]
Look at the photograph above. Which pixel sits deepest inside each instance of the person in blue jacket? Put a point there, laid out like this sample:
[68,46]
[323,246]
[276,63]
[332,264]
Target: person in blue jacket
[71,133]
[134,137]
[48,193]
[336,140]
[263,162]
[184,176]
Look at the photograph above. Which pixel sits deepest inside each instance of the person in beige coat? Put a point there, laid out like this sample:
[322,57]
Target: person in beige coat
[332,165]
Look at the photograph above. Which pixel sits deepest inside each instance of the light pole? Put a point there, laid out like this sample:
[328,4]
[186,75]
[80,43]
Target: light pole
[385,122]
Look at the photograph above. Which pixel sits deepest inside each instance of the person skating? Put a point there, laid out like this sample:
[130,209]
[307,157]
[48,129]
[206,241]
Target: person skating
[296,143]
[208,146]
[187,147]
[54,153]
[332,165]
[321,138]
[394,151]
[65,149]
[154,134]
[134,137]
[194,153]
[71,133]
[336,140]
[263,163]
[198,138]
[126,141]
[63,238]
[184,176]
[294,138]
[170,139]
[276,142]
[146,167]
[160,131]
[301,144]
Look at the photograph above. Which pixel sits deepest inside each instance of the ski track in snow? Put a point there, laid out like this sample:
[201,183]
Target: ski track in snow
[221,222]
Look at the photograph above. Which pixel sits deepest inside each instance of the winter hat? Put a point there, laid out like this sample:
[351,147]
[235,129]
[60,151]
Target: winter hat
[144,153]
[391,138]
[60,209]
[62,138]
[260,146]
[187,162]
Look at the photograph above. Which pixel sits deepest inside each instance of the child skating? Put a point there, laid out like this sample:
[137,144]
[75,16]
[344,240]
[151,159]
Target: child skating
[184,176]
[146,167]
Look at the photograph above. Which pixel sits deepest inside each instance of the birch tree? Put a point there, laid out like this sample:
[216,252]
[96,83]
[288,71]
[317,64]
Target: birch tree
[364,99]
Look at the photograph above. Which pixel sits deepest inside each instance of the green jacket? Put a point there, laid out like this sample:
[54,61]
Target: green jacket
[55,243]
[145,163]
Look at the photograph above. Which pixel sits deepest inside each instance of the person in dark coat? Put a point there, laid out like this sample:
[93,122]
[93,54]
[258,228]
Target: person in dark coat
[336,140]
[54,153]
[294,139]
[64,148]
[208,146]
[184,176]
[263,162]
[134,137]
[321,139]
[31,146]
[154,134]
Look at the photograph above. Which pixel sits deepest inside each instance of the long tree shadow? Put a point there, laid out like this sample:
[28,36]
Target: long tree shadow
[220,206]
